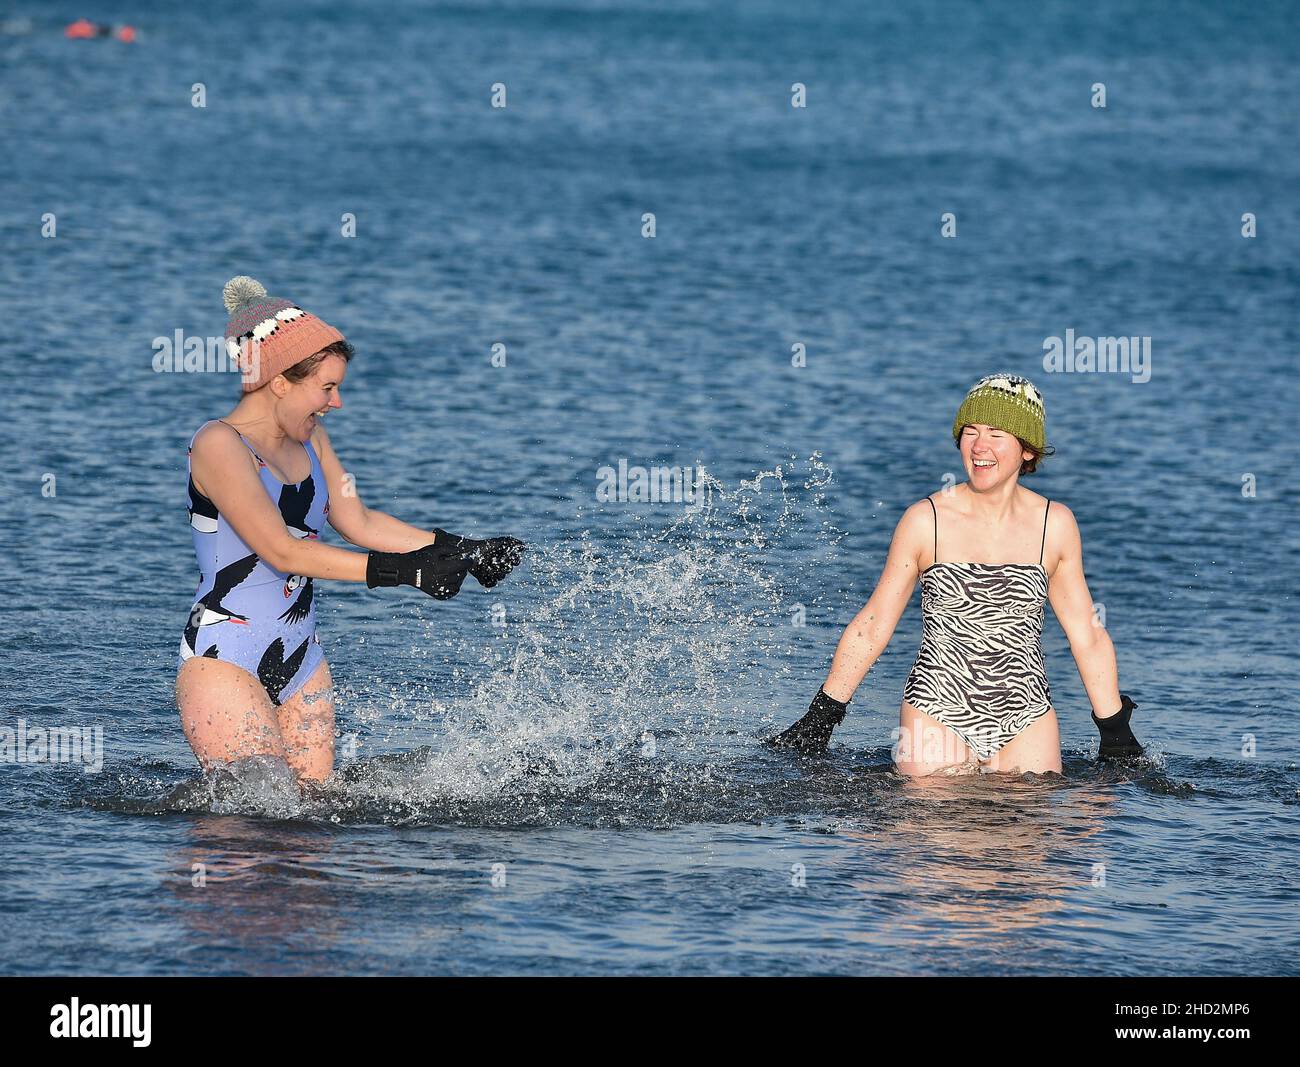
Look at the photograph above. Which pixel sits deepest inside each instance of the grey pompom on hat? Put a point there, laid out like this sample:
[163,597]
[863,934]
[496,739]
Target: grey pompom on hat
[241,290]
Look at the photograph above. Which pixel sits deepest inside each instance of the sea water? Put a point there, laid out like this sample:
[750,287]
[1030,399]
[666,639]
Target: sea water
[565,774]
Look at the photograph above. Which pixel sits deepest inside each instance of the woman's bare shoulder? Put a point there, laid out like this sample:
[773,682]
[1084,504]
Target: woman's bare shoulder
[917,520]
[1061,537]
[1057,511]
[921,508]
[215,437]
[215,444]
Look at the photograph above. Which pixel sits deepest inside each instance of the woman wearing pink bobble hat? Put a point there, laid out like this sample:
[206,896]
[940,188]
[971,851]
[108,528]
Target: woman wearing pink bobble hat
[252,680]
[977,698]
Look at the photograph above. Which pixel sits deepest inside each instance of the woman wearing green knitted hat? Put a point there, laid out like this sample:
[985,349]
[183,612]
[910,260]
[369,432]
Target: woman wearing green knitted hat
[977,697]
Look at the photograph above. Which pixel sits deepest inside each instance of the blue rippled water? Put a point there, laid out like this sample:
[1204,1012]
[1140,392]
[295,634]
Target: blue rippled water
[583,789]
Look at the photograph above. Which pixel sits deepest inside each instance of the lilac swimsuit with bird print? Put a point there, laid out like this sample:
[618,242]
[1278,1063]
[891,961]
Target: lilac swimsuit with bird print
[245,612]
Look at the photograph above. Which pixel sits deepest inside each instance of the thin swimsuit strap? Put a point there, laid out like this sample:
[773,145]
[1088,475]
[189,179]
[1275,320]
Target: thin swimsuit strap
[1042,546]
[244,439]
[936,528]
[311,454]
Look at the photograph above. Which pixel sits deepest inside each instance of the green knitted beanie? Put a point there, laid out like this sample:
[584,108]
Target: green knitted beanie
[1006,402]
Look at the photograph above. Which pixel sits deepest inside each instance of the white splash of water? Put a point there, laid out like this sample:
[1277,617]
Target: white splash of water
[625,639]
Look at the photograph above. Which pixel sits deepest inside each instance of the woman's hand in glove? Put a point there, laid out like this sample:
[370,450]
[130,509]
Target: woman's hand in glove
[437,574]
[489,561]
[812,733]
[1117,738]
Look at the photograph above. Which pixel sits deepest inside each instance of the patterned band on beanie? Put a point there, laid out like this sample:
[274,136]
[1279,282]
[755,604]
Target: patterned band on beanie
[268,334]
[1005,402]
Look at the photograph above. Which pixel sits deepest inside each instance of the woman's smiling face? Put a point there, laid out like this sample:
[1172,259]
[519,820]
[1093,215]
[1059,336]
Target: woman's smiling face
[990,455]
[314,396]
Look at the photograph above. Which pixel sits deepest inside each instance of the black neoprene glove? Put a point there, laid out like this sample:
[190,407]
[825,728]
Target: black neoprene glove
[1117,738]
[812,733]
[489,561]
[437,574]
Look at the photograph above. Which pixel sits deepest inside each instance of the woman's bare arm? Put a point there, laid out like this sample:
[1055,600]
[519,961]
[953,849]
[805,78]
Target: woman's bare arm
[867,636]
[220,463]
[352,520]
[1090,644]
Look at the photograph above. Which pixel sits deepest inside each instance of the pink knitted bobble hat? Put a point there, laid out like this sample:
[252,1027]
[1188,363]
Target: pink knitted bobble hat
[268,334]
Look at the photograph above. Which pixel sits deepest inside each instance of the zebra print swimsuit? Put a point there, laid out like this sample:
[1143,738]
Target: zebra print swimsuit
[980,668]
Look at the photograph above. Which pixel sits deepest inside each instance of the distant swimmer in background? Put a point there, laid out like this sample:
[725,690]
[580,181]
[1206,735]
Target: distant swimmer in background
[84,29]
[977,698]
[252,679]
